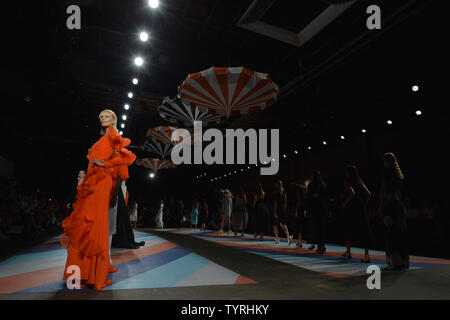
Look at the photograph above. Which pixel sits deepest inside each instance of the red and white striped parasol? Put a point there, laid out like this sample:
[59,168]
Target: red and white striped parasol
[228,91]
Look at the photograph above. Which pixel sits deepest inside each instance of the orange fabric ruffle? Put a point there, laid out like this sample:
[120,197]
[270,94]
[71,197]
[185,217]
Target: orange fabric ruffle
[77,226]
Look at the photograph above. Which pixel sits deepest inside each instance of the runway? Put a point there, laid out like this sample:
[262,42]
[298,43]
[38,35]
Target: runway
[188,264]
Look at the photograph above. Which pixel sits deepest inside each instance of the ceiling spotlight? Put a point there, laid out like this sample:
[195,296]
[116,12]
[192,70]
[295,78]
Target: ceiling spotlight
[284,156]
[127,106]
[363,131]
[389,122]
[130,95]
[135,81]
[415,88]
[418,112]
[153,4]
[296,152]
[309,148]
[152,175]
[139,61]
[122,125]
[342,138]
[124,117]
[324,143]
[143,36]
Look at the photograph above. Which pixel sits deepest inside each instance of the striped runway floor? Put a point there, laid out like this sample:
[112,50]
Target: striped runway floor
[159,264]
[329,264]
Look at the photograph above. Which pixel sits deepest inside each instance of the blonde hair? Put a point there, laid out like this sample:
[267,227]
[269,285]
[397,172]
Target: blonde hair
[102,131]
[393,162]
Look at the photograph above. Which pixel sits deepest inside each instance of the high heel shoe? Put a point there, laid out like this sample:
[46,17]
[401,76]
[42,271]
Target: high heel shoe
[321,250]
[346,256]
[290,240]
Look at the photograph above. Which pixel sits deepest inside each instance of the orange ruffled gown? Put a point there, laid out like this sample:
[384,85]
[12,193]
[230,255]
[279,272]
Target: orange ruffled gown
[86,230]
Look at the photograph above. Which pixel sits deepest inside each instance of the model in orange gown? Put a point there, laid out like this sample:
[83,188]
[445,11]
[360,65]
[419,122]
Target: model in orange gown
[86,230]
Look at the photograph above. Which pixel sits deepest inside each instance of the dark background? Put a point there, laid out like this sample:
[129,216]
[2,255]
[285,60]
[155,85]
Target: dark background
[344,79]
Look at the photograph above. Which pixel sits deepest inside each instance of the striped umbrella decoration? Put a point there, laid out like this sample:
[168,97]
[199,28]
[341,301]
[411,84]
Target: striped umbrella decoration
[182,114]
[161,149]
[155,164]
[228,91]
[163,134]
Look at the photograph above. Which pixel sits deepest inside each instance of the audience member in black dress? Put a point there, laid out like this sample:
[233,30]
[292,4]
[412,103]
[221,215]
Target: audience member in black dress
[239,216]
[279,212]
[251,209]
[296,209]
[261,214]
[179,211]
[317,211]
[203,215]
[357,226]
[394,213]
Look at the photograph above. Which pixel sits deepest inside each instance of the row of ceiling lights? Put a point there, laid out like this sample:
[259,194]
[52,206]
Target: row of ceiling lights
[414,88]
[139,61]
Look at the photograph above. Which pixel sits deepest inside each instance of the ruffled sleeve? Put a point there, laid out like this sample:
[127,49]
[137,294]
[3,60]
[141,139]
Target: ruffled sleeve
[125,156]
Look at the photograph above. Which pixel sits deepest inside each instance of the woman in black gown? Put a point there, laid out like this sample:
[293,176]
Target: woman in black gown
[357,225]
[393,210]
[317,211]
[124,236]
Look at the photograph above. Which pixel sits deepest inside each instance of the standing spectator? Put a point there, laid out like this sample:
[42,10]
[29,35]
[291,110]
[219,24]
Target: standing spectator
[296,209]
[159,216]
[194,215]
[133,214]
[204,215]
[393,210]
[279,212]
[317,211]
[356,217]
[251,209]
[261,214]
[81,175]
[239,216]
[180,213]
[226,209]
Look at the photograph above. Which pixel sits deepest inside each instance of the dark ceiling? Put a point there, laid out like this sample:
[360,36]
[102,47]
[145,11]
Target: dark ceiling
[55,81]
